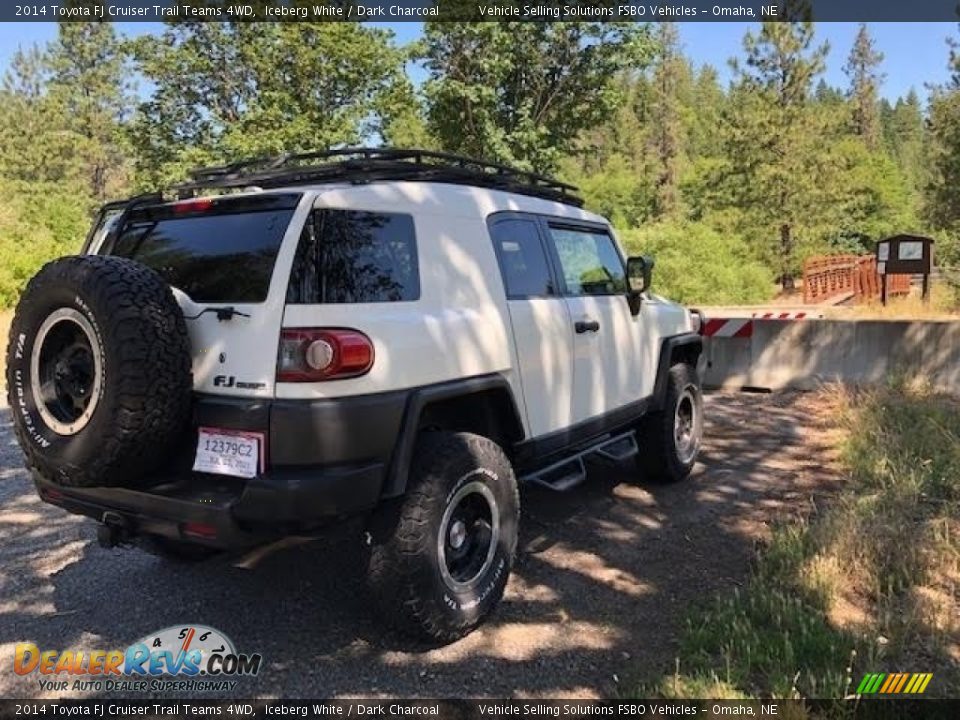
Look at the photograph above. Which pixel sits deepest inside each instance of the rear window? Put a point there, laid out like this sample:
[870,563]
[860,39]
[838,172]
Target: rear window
[218,253]
[350,256]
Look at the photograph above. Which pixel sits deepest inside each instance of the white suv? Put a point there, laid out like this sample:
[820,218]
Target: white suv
[400,334]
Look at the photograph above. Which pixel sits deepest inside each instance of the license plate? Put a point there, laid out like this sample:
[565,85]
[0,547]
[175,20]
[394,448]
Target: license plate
[228,452]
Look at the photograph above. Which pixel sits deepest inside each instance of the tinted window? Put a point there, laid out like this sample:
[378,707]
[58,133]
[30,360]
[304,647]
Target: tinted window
[348,256]
[523,261]
[589,261]
[212,258]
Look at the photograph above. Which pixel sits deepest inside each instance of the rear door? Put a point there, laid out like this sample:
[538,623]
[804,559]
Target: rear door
[216,254]
[540,321]
[606,366]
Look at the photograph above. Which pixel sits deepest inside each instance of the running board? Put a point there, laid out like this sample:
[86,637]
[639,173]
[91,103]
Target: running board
[571,471]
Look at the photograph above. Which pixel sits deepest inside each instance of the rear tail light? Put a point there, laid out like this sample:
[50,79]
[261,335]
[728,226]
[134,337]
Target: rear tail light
[51,495]
[203,531]
[192,206]
[314,354]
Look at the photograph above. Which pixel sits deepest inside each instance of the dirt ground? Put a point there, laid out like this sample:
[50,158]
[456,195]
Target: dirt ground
[604,578]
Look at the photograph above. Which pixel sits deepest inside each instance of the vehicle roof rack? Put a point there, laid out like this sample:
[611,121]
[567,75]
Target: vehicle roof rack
[365,165]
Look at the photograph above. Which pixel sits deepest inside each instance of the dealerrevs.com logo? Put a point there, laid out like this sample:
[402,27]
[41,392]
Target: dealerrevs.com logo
[181,657]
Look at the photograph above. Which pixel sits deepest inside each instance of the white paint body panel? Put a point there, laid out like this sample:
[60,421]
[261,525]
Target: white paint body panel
[462,324]
[248,344]
[543,342]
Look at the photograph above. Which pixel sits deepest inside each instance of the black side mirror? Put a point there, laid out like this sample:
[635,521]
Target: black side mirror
[639,274]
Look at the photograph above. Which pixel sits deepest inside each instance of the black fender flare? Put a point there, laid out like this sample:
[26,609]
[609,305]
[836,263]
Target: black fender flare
[395,483]
[689,344]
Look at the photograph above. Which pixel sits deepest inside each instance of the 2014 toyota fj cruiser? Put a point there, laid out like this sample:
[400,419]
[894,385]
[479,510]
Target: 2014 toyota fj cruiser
[400,334]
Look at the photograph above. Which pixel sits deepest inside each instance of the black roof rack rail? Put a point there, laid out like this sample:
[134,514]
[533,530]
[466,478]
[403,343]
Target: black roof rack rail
[363,165]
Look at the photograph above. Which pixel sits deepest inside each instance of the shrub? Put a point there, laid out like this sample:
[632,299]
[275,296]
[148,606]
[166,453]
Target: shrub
[36,227]
[698,265]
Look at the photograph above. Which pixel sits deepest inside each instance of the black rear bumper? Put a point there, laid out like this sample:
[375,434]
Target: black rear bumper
[327,459]
[225,512]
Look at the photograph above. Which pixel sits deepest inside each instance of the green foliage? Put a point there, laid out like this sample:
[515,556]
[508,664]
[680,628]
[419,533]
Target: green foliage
[698,265]
[944,201]
[90,71]
[776,168]
[36,225]
[774,139]
[230,90]
[865,80]
[823,606]
[61,146]
[906,141]
[521,92]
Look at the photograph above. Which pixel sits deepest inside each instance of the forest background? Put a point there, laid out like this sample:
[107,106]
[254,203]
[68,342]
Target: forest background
[729,185]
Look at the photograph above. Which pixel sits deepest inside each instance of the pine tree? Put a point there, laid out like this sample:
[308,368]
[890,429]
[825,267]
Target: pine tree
[906,139]
[90,74]
[668,136]
[865,82]
[943,201]
[772,146]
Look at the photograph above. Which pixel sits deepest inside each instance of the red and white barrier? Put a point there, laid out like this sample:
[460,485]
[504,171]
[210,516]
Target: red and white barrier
[780,315]
[733,327]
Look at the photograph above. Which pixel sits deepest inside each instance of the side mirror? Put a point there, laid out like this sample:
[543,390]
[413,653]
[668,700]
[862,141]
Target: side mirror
[639,274]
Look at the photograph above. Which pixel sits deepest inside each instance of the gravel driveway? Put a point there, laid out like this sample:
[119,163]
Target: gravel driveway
[604,577]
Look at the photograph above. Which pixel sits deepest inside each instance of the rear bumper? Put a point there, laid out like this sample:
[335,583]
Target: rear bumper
[225,512]
[326,459]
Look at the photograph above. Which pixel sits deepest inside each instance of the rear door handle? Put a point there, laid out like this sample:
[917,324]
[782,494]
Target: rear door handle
[582,326]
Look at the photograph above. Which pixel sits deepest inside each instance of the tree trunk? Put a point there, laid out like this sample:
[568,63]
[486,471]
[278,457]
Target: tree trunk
[786,255]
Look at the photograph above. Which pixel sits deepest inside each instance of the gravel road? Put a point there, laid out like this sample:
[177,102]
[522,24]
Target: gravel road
[605,575]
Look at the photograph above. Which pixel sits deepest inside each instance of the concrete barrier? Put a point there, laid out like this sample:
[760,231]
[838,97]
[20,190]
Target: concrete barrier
[805,353]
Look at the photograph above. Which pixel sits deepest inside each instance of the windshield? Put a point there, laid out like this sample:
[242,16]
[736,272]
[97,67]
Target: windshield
[215,251]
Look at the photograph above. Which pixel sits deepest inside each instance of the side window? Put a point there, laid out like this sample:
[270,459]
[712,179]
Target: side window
[349,256]
[523,262]
[589,261]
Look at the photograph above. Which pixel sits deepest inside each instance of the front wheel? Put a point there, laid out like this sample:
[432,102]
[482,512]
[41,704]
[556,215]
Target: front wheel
[669,440]
[441,558]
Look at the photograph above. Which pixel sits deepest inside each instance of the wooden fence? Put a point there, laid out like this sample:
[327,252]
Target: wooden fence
[836,278]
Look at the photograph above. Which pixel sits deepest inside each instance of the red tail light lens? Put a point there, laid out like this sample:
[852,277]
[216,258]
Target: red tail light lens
[192,206]
[200,530]
[314,354]
[51,495]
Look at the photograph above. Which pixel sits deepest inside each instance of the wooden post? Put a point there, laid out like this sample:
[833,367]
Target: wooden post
[883,288]
[926,288]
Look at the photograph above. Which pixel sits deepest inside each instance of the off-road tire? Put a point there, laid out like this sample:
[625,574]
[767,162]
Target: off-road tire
[659,459]
[405,565]
[140,340]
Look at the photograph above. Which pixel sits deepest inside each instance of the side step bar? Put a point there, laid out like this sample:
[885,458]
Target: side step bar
[571,471]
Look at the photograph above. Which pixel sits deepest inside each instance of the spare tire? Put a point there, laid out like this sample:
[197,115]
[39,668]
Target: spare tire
[98,370]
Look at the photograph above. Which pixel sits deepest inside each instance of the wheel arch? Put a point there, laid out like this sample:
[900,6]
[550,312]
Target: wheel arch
[484,405]
[683,348]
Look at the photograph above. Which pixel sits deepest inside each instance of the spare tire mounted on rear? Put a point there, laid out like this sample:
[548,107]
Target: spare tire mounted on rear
[98,370]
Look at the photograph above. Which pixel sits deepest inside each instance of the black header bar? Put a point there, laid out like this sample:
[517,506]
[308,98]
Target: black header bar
[479,10]
[174,708]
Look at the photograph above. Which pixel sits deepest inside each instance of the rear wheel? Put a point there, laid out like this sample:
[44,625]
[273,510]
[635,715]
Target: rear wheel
[441,557]
[669,440]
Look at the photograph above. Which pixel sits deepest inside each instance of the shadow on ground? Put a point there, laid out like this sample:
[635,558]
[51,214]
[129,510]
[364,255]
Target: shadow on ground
[604,577]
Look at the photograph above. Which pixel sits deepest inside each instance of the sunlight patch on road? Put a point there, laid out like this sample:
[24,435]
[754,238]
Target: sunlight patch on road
[596,568]
[522,642]
[53,560]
